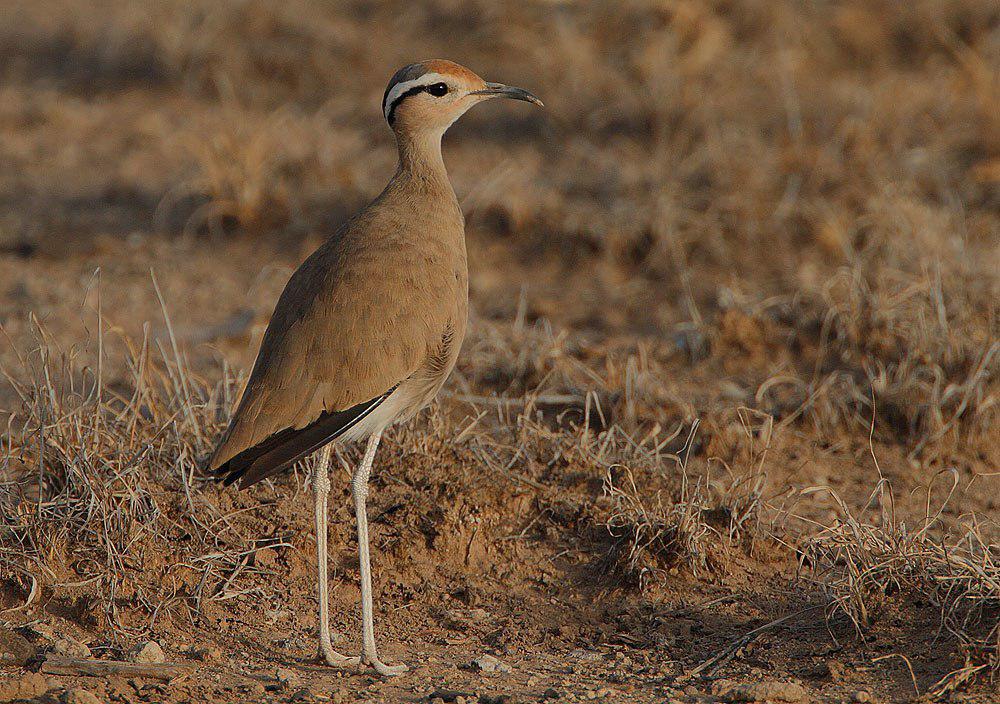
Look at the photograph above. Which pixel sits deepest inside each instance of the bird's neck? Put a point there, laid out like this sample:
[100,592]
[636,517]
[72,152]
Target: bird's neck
[420,159]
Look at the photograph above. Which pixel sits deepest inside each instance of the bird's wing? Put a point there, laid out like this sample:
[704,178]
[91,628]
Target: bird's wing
[354,321]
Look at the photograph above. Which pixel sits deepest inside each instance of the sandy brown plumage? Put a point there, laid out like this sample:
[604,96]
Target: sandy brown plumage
[364,317]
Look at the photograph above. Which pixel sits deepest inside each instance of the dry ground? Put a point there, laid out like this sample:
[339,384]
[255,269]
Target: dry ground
[726,424]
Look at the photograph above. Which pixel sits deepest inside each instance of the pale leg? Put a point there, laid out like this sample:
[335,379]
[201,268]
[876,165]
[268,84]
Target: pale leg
[359,488]
[321,486]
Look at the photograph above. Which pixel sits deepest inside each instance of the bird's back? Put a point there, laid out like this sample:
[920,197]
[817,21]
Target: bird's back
[381,304]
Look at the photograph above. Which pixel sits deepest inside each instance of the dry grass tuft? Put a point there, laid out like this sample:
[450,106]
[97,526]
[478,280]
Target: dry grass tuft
[694,525]
[866,565]
[100,502]
[652,534]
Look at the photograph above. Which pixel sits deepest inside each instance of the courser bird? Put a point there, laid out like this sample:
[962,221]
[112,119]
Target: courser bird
[368,328]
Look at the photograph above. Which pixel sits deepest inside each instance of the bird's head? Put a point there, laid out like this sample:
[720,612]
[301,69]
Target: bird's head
[427,97]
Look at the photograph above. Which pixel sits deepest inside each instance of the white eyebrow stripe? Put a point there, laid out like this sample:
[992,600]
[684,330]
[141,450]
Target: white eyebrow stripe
[400,88]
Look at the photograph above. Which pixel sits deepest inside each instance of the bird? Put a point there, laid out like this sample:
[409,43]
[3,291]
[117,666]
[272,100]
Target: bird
[368,328]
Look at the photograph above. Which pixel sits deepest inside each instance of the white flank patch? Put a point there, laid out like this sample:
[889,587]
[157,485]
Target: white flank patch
[397,90]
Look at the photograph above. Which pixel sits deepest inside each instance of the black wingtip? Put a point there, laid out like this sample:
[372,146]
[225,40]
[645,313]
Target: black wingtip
[280,451]
[227,475]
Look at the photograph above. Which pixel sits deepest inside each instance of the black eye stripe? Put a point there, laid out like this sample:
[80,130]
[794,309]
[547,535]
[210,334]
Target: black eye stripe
[434,89]
[391,115]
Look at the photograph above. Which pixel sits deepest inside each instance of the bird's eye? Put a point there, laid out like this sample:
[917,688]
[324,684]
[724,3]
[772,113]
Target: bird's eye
[438,89]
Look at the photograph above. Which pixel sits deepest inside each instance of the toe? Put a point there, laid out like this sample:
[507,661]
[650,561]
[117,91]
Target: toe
[388,670]
[335,659]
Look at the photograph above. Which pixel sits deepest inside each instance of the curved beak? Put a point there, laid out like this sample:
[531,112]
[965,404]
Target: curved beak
[499,90]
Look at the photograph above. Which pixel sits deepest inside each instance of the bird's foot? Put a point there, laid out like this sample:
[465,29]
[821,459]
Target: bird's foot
[383,669]
[334,659]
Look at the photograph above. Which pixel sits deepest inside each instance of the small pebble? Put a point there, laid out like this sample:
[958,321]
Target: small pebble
[773,691]
[287,678]
[254,688]
[488,663]
[80,696]
[835,669]
[148,652]
[70,647]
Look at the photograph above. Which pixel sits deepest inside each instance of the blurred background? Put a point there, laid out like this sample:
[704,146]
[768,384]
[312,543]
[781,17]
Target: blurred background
[782,208]
[812,187]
